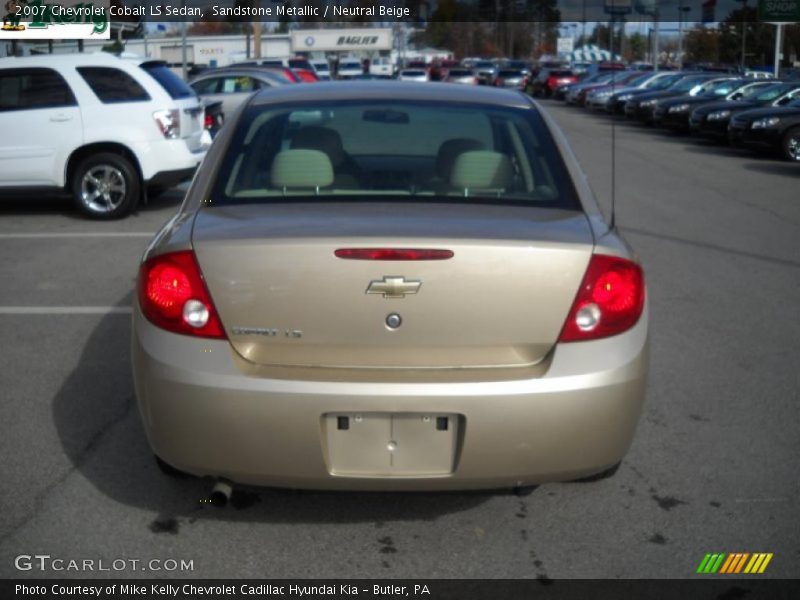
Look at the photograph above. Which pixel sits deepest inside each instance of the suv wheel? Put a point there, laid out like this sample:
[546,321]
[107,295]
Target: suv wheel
[105,186]
[791,144]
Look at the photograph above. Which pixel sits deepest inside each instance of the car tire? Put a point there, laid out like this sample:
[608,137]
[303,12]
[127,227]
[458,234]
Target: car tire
[604,474]
[170,471]
[790,145]
[105,186]
[156,191]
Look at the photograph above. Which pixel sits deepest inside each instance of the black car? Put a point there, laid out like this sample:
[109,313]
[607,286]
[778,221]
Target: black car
[712,120]
[562,90]
[616,103]
[771,129]
[674,113]
[643,106]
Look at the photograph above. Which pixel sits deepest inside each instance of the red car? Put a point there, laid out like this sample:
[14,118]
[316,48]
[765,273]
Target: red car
[557,78]
[549,79]
[306,75]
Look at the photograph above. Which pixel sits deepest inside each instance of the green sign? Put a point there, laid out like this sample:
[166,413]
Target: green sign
[779,10]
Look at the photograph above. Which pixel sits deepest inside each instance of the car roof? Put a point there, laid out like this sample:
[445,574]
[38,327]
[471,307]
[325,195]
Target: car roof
[70,60]
[392,90]
[266,72]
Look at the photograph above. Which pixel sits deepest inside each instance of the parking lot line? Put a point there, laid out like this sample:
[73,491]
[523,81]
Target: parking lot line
[65,310]
[87,234]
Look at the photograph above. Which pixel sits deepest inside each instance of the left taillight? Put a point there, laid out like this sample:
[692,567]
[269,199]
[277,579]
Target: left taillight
[173,296]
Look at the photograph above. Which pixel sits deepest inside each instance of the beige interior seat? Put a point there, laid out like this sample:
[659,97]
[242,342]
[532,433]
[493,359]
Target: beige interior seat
[328,141]
[301,169]
[481,171]
[449,151]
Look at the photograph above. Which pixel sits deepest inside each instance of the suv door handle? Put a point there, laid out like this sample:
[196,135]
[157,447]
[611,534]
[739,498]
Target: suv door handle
[60,118]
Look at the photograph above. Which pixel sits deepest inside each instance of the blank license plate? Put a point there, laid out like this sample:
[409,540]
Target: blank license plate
[391,444]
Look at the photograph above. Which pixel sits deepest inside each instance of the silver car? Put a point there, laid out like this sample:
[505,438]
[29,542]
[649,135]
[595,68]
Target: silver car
[234,85]
[412,75]
[390,286]
[462,76]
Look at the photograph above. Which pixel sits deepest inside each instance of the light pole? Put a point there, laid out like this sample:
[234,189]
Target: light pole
[681,10]
[778,44]
[583,33]
[744,30]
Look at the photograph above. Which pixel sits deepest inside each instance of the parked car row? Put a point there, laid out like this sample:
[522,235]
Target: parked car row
[760,113]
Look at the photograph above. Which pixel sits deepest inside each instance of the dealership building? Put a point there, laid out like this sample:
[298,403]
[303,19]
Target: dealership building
[222,50]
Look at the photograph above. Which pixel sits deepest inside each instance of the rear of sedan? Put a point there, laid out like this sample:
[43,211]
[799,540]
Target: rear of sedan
[390,286]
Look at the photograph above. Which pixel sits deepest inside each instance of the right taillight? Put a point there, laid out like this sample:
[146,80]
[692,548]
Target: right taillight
[169,122]
[173,296]
[609,301]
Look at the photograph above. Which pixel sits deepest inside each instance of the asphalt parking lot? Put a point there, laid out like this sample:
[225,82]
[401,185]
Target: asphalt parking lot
[713,467]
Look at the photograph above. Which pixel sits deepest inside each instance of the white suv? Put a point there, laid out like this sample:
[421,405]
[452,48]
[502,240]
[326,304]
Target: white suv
[103,128]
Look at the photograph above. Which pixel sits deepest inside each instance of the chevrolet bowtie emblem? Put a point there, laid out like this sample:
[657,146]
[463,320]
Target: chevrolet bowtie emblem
[393,287]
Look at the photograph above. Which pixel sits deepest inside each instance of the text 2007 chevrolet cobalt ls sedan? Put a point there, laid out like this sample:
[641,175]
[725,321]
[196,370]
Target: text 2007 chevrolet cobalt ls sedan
[388,286]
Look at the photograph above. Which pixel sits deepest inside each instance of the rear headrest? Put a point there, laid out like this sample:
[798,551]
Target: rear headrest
[301,169]
[323,139]
[481,169]
[449,152]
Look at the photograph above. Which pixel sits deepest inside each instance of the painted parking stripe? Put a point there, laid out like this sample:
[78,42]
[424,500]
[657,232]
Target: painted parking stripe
[77,235]
[65,310]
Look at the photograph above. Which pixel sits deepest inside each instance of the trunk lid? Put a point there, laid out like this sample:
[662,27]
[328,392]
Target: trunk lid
[285,299]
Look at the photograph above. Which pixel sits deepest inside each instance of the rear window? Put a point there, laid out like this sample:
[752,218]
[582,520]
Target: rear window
[413,73]
[560,74]
[113,85]
[366,151]
[510,73]
[174,85]
[459,73]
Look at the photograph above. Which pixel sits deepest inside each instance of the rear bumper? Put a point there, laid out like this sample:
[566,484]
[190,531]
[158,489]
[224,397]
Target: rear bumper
[167,179]
[204,416]
[168,156]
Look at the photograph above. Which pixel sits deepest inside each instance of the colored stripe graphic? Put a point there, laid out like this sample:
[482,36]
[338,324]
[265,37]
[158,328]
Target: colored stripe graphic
[703,563]
[739,566]
[716,565]
[727,564]
[767,558]
[711,563]
[734,563]
[754,563]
